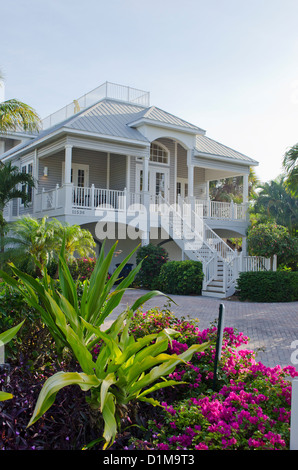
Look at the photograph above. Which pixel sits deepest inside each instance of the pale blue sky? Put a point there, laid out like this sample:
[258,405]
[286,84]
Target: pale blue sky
[228,66]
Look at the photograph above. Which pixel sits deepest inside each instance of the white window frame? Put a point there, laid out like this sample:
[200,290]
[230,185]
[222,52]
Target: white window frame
[75,167]
[164,149]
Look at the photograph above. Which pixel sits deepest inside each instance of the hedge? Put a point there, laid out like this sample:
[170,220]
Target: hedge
[152,257]
[268,286]
[181,277]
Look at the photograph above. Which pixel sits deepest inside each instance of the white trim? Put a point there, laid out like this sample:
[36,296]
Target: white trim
[165,149]
[108,169]
[152,175]
[175,127]
[128,172]
[75,167]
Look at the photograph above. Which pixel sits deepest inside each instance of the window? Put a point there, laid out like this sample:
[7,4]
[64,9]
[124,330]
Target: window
[28,169]
[159,154]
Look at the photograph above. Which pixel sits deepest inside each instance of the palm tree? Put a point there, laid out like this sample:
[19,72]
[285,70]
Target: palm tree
[16,115]
[290,164]
[276,204]
[231,189]
[37,242]
[76,241]
[10,180]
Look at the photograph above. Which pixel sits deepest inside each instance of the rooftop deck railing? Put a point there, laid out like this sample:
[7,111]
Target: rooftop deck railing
[106,90]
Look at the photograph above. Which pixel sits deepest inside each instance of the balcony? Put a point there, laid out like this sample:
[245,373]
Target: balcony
[75,200]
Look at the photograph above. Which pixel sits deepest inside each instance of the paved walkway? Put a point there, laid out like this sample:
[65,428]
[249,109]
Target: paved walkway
[271,327]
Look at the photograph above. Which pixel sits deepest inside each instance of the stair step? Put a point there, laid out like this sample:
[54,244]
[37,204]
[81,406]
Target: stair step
[219,295]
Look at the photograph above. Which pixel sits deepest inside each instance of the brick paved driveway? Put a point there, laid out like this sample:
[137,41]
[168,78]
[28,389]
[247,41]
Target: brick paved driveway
[271,327]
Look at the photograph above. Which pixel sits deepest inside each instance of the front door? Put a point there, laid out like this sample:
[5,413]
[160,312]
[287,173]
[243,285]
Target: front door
[182,188]
[79,174]
[158,181]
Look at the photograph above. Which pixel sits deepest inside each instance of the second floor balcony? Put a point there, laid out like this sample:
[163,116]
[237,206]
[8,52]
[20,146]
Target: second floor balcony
[80,201]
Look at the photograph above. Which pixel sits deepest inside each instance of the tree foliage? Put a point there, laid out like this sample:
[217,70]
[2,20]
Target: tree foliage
[35,243]
[16,115]
[270,239]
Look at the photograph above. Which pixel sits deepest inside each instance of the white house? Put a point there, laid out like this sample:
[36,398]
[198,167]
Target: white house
[127,170]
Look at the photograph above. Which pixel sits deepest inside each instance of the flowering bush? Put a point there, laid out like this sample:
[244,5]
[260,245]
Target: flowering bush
[250,409]
[82,268]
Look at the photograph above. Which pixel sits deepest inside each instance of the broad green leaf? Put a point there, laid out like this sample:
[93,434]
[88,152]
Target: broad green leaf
[134,383]
[106,383]
[111,343]
[158,386]
[148,296]
[5,396]
[110,427]
[8,335]
[75,343]
[68,286]
[57,382]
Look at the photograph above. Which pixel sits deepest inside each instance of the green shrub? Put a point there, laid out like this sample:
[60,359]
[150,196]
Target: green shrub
[82,268]
[181,277]
[268,286]
[153,257]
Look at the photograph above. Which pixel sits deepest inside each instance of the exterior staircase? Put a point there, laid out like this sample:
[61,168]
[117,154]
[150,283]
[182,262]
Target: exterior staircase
[200,243]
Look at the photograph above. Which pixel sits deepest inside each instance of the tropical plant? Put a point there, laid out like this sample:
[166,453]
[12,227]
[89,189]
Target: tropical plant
[124,371]
[10,180]
[271,239]
[5,338]
[38,242]
[231,189]
[32,241]
[275,203]
[98,297]
[16,115]
[76,241]
[124,368]
[290,164]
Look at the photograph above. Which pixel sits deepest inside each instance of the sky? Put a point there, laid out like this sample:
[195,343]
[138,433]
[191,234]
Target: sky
[227,66]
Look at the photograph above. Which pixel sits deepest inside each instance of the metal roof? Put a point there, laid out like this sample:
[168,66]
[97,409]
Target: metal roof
[109,117]
[117,119]
[207,146]
[162,117]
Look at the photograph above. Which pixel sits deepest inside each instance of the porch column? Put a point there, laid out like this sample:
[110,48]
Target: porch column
[244,246]
[245,189]
[67,179]
[190,174]
[190,167]
[68,162]
[245,196]
[146,201]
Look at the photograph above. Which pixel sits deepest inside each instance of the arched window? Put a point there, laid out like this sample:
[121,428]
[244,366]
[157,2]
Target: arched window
[159,154]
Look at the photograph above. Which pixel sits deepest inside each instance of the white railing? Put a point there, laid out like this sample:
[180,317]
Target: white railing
[110,199]
[257,263]
[197,238]
[94,198]
[48,200]
[220,210]
[106,90]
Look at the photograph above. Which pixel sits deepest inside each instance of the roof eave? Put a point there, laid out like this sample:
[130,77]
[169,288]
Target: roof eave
[249,162]
[65,130]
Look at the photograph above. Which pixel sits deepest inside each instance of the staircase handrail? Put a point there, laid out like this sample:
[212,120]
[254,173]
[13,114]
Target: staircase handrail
[184,222]
[226,248]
